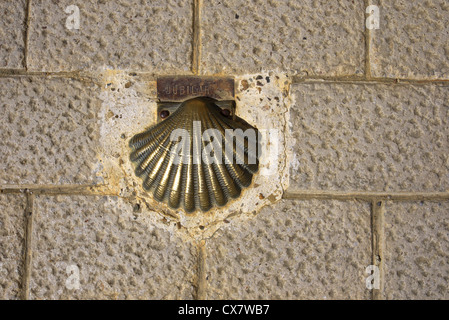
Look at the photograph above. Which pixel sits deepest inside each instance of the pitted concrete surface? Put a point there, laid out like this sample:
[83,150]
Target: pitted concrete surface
[293,250]
[130,35]
[417,246]
[49,132]
[116,255]
[12,238]
[370,137]
[12,32]
[412,40]
[304,37]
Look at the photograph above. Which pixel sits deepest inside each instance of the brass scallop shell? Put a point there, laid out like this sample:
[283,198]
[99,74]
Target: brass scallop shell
[196,182]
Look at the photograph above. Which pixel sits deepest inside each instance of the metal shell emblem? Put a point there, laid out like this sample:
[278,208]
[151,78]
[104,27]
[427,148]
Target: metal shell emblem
[184,163]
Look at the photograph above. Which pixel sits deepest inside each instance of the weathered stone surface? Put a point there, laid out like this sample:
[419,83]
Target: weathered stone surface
[417,250]
[370,137]
[12,31]
[49,132]
[12,233]
[117,255]
[293,250]
[411,41]
[139,35]
[308,37]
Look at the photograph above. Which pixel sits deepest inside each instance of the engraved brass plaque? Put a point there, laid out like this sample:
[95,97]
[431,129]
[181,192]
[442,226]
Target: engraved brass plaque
[181,88]
[173,90]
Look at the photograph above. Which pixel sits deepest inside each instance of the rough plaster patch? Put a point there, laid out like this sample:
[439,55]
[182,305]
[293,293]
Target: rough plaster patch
[129,107]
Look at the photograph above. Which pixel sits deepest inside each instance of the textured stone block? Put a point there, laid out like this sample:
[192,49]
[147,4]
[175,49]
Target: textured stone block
[139,35]
[12,240]
[412,39]
[109,248]
[308,37]
[370,137]
[293,250]
[417,250]
[12,31]
[49,132]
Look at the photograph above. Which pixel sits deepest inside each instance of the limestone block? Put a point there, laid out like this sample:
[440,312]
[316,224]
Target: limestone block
[293,250]
[100,248]
[12,242]
[138,35]
[416,250]
[370,137]
[304,37]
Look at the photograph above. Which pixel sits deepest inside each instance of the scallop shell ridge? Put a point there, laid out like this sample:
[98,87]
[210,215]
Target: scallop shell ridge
[190,168]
